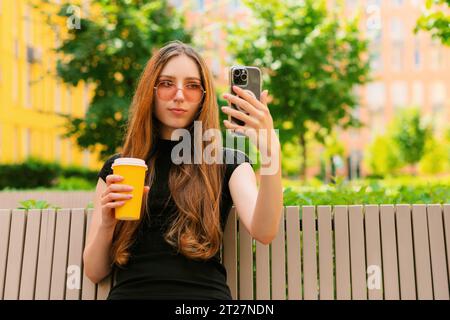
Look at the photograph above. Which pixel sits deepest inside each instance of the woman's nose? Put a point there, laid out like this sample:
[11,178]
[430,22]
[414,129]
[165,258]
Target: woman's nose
[179,96]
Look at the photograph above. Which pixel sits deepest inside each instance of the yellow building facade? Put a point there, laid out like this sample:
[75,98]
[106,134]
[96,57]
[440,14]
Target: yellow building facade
[32,98]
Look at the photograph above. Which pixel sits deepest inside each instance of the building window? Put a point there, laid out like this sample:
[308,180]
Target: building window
[27,143]
[69,151]
[58,148]
[85,98]
[176,3]
[397,29]
[399,94]
[28,26]
[376,61]
[436,56]
[16,145]
[376,95]
[215,67]
[417,54]
[438,96]
[85,7]
[1,141]
[58,96]
[351,4]
[377,123]
[15,82]
[27,80]
[417,94]
[201,5]
[69,99]
[397,56]
[86,157]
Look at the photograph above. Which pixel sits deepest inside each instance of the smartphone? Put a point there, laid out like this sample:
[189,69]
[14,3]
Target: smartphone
[247,78]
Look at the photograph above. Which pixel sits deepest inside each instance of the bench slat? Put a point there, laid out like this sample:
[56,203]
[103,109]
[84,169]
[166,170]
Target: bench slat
[310,254]
[60,253]
[245,263]
[357,253]
[405,253]
[293,253]
[103,287]
[279,263]
[447,234]
[422,252]
[373,252]
[30,255]
[45,259]
[342,244]
[262,272]
[326,287]
[389,252]
[230,253]
[74,265]
[88,287]
[437,248]
[5,223]
[15,255]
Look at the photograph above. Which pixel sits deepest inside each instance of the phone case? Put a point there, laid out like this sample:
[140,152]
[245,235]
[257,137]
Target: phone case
[253,85]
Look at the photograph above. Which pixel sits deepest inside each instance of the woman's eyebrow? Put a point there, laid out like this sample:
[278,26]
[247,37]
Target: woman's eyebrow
[172,77]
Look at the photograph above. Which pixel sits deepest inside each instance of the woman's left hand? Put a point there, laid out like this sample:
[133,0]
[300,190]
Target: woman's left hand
[258,122]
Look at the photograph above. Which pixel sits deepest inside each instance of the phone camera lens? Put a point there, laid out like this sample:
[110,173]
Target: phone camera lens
[237,72]
[244,77]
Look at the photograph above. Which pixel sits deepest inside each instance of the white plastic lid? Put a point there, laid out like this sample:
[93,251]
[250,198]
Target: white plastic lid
[129,162]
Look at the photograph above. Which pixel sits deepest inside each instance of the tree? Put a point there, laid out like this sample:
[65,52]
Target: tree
[383,157]
[409,134]
[110,50]
[436,20]
[311,61]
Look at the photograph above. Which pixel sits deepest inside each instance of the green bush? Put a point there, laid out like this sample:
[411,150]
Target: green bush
[74,183]
[402,190]
[79,172]
[383,157]
[32,173]
[36,204]
[35,173]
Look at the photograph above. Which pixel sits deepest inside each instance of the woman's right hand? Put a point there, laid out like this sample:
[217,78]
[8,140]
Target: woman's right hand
[114,196]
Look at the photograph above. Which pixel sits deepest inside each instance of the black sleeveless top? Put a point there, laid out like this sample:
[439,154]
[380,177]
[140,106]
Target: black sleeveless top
[155,270]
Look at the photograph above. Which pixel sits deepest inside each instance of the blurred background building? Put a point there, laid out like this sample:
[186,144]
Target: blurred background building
[32,99]
[408,70]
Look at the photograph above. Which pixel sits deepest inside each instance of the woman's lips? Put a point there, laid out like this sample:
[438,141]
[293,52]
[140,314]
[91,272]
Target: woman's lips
[177,111]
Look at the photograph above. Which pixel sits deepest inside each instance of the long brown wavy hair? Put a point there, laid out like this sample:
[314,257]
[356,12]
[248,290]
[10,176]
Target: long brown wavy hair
[195,188]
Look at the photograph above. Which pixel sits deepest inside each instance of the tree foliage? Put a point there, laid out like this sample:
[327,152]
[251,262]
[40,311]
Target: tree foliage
[312,60]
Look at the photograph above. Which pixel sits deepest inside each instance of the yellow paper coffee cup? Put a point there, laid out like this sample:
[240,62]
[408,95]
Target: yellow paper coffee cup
[133,172]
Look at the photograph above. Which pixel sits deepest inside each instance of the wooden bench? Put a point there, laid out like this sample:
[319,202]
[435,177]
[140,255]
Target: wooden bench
[341,252]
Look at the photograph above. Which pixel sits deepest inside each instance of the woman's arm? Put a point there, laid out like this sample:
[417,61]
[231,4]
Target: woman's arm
[96,255]
[260,211]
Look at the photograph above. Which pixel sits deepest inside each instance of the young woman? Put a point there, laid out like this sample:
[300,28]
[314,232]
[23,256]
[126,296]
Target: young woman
[173,251]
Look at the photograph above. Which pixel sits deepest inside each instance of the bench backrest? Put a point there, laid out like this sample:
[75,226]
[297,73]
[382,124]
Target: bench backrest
[340,252]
